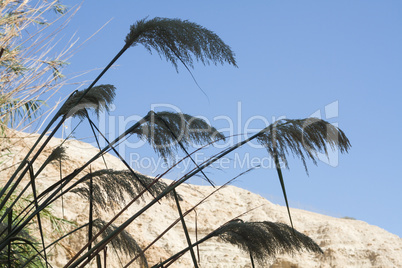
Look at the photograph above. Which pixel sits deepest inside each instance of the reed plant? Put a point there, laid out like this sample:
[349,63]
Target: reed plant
[30,63]
[179,42]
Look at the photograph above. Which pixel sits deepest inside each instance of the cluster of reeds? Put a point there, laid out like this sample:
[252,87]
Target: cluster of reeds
[30,64]
[179,42]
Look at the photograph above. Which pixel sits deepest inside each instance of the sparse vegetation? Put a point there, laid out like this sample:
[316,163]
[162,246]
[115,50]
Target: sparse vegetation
[29,66]
[348,218]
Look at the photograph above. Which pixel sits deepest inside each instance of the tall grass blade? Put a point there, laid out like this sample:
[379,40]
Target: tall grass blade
[183,222]
[90,216]
[279,171]
[9,227]
[98,261]
[91,124]
[196,234]
[105,256]
[252,260]
[31,174]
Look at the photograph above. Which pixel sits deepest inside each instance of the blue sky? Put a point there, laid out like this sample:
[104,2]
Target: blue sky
[295,59]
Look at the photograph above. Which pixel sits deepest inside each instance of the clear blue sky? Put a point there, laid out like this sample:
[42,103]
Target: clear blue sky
[295,58]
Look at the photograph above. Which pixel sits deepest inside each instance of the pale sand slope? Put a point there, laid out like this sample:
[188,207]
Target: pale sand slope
[346,243]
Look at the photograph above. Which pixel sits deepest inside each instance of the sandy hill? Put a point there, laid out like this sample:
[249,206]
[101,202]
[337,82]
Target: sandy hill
[345,242]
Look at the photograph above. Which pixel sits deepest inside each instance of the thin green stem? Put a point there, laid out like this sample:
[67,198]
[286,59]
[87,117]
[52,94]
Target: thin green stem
[31,173]
[91,206]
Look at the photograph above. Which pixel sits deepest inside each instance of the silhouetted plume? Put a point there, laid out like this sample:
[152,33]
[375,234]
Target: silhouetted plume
[98,98]
[179,41]
[110,187]
[304,138]
[265,239]
[187,129]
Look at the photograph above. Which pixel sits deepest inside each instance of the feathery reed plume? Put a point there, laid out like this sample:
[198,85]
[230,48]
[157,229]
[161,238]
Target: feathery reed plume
[186,128]
[177,39]
[110,187]
[124,242]
[99,98]
[262,240]
[265,239]
[303,138]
